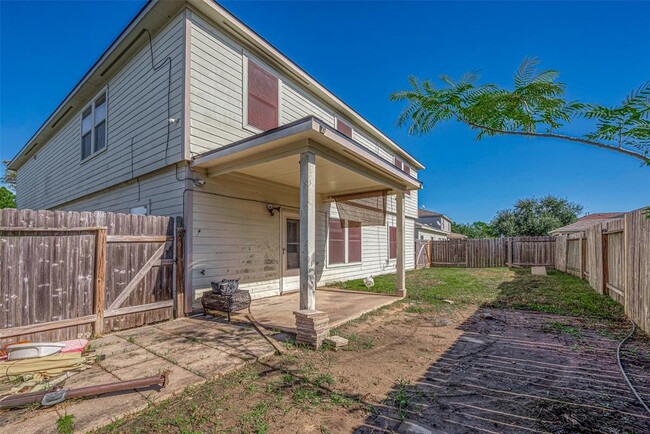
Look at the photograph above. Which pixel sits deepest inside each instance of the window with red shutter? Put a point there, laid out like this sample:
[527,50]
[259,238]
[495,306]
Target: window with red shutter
[263,107]
[336,242]
[343,127]
[354,241]
[399,164]
[392,242]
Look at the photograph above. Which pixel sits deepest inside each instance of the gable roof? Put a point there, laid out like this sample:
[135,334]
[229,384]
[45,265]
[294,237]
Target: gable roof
[153,16]
[585,222]
[427,213]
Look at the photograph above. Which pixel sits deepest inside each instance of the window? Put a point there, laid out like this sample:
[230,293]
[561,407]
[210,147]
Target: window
[344,242]
[354,241]
[344,128]
[293,244]
[263,102]
[93,127]
[392,242]
[403,167]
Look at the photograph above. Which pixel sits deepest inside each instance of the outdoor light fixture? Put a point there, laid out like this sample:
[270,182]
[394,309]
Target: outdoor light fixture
[272,208]
[198,182]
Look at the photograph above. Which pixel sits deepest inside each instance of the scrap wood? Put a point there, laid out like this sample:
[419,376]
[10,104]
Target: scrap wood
[260,329]
[53,397]
[48,366]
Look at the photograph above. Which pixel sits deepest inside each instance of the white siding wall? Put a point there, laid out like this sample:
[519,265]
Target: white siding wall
[216,98]
[136,131]
[237,238]
[160,191]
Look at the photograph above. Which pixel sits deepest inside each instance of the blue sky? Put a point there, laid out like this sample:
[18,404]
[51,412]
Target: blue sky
[363,52]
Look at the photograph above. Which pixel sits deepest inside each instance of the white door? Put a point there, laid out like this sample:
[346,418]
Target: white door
[290,251]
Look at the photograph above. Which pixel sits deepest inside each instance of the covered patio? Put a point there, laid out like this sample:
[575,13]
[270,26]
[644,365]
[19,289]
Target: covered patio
[341,306]
[322,164]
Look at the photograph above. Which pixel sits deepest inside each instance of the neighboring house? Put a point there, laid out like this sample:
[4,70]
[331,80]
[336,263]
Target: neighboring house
[455,236]
[428,233]
[585,222]
[191,113]
[432,225]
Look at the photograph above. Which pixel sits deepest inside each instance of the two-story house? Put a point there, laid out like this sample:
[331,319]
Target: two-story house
[191,113]
[432,225]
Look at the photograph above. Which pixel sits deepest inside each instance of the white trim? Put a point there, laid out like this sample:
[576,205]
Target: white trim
[246,57]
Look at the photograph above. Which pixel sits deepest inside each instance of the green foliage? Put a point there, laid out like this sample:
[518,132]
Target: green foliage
[7,198]
[474,230]
[8,176]
[534,107]
[65,424]
[535,217]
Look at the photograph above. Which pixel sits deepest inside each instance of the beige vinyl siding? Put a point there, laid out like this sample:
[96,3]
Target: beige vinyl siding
[217,95]
[136,131]
[160,191]
[237,238]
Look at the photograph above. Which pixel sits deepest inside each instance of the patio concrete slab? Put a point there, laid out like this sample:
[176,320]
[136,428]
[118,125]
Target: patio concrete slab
[341,306]
[193,350]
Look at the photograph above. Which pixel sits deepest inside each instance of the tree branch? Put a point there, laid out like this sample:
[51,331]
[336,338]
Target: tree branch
[620,150]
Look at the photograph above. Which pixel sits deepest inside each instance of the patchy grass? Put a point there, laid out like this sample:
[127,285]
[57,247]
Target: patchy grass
[505,288]
[65,424]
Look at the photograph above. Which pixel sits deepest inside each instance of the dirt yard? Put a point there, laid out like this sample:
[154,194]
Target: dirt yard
[512,353]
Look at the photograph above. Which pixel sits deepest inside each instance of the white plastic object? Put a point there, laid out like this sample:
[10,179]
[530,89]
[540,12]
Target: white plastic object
[33,350]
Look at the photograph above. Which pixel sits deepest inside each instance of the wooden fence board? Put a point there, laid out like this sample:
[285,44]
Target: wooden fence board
[637,268]
[494,252]
[48,270]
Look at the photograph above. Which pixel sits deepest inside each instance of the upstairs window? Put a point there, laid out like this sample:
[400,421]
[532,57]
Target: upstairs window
[93,127]
[344,128]
[404,168]
[344,242]
[263,102]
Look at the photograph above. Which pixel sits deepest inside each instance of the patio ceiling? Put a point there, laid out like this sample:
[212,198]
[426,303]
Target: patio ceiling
[343,166]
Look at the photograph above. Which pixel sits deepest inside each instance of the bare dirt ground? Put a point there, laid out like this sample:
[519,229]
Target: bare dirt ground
[484,363]
[515,371]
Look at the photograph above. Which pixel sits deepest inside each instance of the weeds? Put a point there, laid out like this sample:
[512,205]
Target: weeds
[401,398]
[65,424]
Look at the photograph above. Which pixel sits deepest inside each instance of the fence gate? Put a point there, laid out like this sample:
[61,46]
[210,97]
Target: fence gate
[70,274]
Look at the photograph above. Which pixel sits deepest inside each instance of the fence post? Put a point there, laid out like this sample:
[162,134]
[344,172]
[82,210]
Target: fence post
[100,281]
[430,250]
[605,263]
[180,269]
[583,255]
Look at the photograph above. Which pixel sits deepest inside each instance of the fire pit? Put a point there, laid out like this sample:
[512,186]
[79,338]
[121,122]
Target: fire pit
[226,297]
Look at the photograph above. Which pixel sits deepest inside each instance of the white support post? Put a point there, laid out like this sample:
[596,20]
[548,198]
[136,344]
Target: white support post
[307,231]
[400,290]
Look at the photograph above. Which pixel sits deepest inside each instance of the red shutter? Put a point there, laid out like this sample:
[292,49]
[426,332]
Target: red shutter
[336,242]
[262,98]
[354,241]
[344,128]
[392,249]
[399,164]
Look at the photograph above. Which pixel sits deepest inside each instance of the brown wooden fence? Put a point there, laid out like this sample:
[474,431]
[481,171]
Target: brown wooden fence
[487,252]
[70,274]
[614,256]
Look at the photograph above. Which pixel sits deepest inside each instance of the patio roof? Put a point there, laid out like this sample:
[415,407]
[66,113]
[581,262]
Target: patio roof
[344,166]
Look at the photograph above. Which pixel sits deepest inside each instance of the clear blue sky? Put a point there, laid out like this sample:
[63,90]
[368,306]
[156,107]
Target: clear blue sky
[365,51]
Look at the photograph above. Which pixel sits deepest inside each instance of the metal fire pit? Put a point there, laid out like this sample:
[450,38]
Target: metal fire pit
[232,302]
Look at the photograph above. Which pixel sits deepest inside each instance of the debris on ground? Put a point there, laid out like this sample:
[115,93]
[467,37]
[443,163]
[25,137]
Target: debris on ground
[538,271]
[336,342]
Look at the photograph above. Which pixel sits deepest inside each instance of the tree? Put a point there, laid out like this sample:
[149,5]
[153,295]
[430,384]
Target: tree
[535,107]
[7,198]
[535,217]
[473,230]
[8,176]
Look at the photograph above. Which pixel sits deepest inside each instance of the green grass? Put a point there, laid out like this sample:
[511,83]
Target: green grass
[497,287]
[65,424]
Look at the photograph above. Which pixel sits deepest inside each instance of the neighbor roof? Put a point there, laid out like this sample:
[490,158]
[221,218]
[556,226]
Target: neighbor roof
[155,14]
[587,221]
[427,213]
[426,227]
